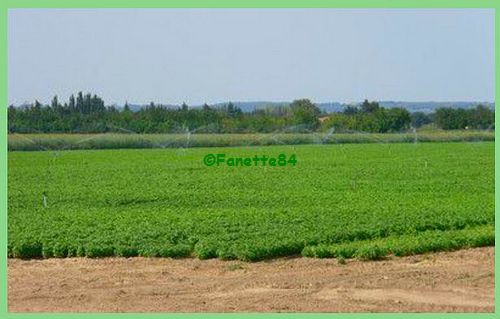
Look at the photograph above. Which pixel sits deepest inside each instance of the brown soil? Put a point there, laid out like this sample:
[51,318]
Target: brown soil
[461,281]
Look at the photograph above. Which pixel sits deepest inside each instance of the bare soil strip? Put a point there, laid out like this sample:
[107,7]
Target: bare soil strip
[461,281]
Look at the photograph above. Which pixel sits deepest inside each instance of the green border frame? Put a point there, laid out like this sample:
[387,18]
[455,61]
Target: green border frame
[5,5]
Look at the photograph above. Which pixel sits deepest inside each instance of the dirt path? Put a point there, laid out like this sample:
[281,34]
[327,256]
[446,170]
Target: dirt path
[461,281]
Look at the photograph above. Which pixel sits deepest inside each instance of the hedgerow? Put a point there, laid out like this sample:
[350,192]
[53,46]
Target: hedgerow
[55,142]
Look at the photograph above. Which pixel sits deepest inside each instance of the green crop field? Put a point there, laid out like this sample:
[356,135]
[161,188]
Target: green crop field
[344,200]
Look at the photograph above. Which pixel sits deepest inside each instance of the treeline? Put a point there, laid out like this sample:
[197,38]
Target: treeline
[451,119]
[87,113]
[371,117]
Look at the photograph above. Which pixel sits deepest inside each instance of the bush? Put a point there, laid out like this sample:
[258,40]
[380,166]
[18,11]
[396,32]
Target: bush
[126,251]
[27,250]
[97,251]
[205,250]
[371,252]
[60,250]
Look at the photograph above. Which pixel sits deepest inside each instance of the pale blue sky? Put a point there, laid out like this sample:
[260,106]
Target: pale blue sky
[207,55]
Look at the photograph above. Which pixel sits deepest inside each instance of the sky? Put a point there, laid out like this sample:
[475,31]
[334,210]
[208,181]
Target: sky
[199,56]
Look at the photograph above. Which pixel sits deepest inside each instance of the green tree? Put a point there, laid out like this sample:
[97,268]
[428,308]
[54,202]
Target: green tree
[369,107]
[55,103]
[482,117]
[79,102]
[448,118]
[350,110]
[126,107]
[72,104]
[305,112]
[419,119]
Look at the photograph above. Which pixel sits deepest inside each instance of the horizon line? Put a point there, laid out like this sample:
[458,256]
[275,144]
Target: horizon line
[272,101]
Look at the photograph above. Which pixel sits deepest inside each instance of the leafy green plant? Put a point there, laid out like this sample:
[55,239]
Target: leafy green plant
[337,202]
